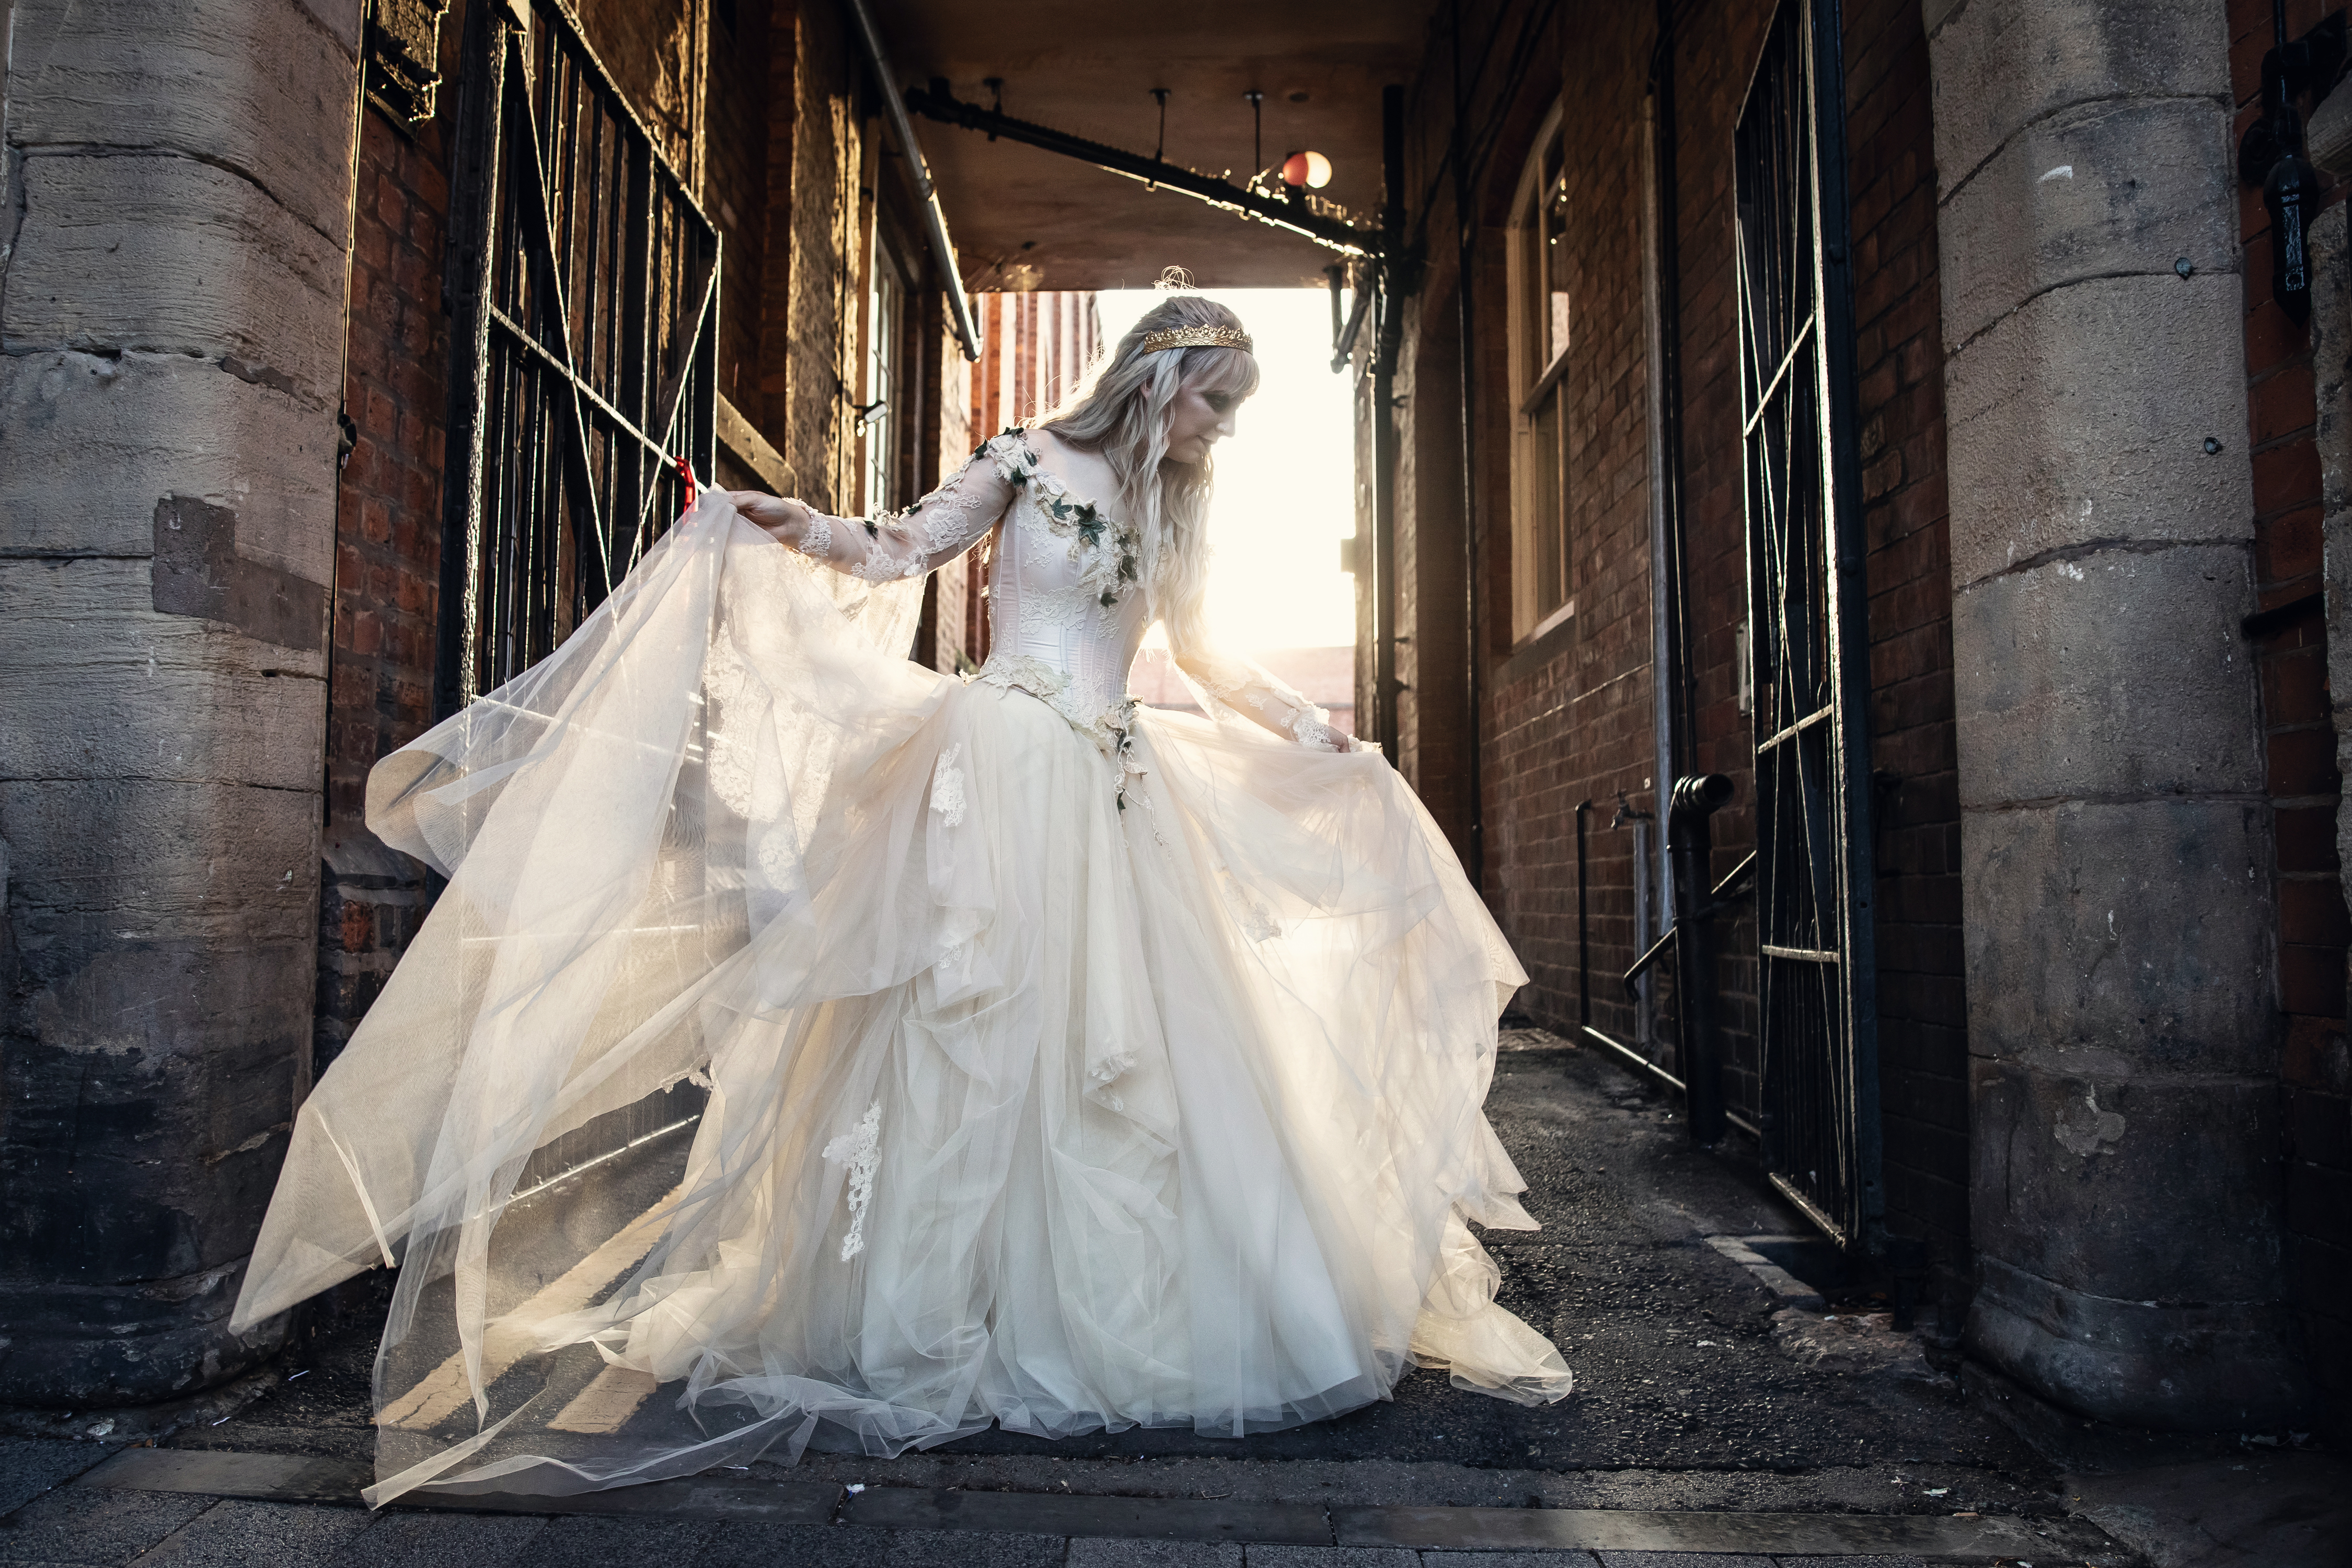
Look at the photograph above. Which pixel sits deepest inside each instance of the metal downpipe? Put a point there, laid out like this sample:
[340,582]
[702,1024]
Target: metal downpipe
[935,221]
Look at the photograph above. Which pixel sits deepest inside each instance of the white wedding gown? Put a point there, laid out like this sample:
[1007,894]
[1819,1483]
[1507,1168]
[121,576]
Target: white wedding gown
[1070,1067]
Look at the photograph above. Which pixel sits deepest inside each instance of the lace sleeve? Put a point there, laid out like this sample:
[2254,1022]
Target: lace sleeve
[934,530]
[1237,686]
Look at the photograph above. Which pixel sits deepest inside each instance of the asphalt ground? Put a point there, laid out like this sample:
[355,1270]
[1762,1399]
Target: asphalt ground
[1700,1388]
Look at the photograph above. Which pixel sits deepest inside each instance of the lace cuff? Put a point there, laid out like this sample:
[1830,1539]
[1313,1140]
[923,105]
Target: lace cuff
[1237,686]
[934,530]
[816,537]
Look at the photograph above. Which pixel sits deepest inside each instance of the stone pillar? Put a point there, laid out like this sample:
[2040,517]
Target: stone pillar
[171,286]
[2115,851]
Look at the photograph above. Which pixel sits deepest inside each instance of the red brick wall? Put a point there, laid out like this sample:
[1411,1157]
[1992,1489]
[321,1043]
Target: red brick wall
[1568,719]
[1899,366]
[2304,784]
[387,555]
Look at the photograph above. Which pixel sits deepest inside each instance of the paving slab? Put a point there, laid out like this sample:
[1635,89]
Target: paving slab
[418,1541]
[579,1541]
[84,1525]
[2255,1509]
[1736,1534]
[1134,1519]
[31,1466]
[814,1546]
[1259,1555]
[1100,1551]
[239,1533]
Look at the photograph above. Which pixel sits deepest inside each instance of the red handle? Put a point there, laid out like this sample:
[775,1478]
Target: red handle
[686,477]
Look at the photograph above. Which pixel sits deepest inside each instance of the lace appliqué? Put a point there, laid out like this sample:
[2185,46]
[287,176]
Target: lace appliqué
[1316,736]
[1105,1071]
[1109,554]
[816,536]
[946,787]
[860,1151]
[1112,730]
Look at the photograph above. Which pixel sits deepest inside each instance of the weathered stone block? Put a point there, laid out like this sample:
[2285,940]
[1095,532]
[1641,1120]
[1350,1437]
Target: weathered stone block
[89,443]
[168,255]
[264,88]
[2002,64]
[2119,673]
[2074,421]
[2071,1167]
[102,686]
[2131,936]
[2095,191]
[2191,1365]
[106,866]
[150,1102]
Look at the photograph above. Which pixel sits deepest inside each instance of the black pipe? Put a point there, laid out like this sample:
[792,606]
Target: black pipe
[1384,430]
[1465,323]
[934,217]
[1583,922]
[1690,844]
[938,103]
[1680,693]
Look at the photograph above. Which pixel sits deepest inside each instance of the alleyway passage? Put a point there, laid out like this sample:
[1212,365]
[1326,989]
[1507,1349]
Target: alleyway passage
[1709,1384]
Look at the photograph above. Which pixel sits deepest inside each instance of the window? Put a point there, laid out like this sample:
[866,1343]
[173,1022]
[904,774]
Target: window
[1541,569]
[886,312]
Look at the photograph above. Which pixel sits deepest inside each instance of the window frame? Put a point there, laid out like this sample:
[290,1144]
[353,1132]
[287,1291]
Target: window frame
[882,376]
[1538,388]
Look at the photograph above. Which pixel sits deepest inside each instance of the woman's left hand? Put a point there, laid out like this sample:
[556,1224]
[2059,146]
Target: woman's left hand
[784,518]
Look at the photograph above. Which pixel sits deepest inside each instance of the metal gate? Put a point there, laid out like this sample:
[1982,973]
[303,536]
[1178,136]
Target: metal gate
[584,283]
[584,288]
[1817,984]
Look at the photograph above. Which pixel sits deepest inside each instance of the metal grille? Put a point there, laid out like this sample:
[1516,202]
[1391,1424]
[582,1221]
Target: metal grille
[584,282]
[1817,984]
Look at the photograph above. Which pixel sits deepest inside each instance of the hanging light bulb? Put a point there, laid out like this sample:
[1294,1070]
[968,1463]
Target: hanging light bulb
[1310,169]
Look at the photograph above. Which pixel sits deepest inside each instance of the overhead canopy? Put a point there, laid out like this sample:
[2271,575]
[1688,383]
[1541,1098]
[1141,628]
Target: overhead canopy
[1089,69]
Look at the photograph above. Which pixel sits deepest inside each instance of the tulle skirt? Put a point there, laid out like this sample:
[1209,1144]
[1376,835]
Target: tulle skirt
[1041,1091]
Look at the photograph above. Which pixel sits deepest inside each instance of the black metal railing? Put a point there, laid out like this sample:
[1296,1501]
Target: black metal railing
[1817,1002]
[584,282]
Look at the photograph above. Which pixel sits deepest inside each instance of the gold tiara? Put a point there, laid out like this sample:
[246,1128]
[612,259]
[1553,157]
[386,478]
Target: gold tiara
[1197,338]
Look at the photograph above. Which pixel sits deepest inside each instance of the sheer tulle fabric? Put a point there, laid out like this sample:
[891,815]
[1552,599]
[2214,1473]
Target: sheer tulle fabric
[1027,1103]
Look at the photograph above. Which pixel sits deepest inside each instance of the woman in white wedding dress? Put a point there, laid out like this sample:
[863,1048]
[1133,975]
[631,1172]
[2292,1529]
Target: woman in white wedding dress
[1071,1067]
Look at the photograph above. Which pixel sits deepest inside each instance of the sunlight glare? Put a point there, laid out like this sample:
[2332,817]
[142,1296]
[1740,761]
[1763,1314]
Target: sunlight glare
[1285,482]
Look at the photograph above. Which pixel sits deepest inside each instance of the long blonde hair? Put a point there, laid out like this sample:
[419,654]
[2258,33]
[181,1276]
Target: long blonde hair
[1120,412]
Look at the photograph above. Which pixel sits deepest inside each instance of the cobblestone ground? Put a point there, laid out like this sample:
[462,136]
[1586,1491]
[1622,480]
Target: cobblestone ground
[1703,1385]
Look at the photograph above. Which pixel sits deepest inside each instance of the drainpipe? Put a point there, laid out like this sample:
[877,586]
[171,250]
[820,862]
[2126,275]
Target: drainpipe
[1465,323]
[1384,431]
[935,221]
[1690,844]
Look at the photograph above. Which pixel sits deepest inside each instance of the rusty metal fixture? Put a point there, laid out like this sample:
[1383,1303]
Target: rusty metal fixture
[2271,153]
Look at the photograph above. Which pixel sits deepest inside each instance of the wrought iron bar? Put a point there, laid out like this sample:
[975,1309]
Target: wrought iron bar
[938,103]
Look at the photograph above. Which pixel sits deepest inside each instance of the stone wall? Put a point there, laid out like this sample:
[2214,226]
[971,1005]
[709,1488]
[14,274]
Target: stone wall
[2115,828]
[171,293]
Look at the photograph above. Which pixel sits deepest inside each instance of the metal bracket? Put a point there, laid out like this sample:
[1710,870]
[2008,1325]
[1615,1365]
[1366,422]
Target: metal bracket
[403,56]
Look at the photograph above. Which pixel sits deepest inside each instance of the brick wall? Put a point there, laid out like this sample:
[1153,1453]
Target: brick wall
[387,555]
[2305,786]
[766,122]
[1899,366]
[1567,719]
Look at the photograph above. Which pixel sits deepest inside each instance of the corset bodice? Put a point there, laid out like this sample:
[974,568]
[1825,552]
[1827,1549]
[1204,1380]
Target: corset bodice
[1065,603]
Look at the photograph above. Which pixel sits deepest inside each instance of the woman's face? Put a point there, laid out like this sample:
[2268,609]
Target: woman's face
[1197,421]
